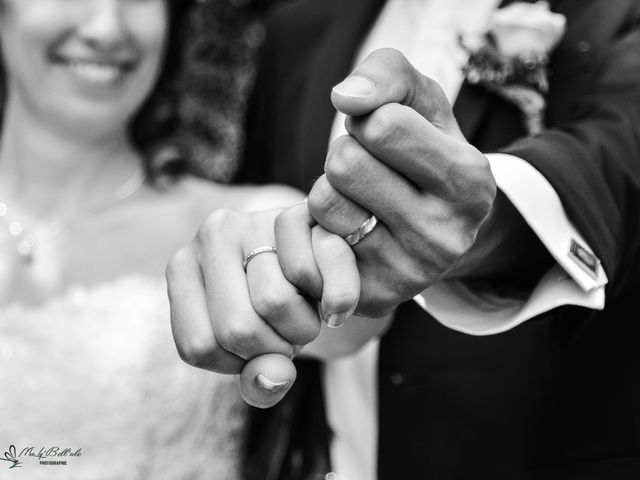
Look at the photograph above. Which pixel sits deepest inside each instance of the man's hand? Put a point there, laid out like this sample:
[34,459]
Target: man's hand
[405,161]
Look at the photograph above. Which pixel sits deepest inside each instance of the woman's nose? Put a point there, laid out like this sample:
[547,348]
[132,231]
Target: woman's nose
[103,25]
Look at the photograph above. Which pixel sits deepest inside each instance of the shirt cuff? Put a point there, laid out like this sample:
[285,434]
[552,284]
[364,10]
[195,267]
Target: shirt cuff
[576,279]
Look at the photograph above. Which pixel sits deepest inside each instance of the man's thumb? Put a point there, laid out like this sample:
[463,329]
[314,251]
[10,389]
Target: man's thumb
[386,76]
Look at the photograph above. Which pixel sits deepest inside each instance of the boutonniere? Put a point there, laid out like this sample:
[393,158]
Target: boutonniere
[510,58]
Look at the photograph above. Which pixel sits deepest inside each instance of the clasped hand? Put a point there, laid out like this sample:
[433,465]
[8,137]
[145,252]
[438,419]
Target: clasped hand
[405,161]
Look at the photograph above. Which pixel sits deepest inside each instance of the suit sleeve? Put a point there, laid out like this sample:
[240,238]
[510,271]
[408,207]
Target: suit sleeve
[591,157]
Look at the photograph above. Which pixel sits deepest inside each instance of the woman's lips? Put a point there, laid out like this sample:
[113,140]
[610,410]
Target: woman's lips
[96,72]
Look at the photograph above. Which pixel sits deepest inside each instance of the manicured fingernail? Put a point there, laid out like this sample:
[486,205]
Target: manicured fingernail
[354,86]
[269,385]
[335,320]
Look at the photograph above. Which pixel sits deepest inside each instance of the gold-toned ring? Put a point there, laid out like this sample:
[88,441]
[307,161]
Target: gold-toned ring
[257,251]
[362,231]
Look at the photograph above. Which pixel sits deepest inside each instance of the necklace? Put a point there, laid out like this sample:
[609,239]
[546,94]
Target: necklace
[26,241]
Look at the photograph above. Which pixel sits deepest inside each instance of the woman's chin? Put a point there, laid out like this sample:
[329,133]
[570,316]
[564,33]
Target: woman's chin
[93,119]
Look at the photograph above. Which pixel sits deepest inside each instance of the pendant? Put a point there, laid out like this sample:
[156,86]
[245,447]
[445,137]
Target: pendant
[25,249]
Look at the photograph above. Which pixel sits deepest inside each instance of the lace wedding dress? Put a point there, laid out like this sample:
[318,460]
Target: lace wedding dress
[92,388]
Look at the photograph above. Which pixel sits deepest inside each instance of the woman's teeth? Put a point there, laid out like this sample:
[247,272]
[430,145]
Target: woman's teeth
[96,73]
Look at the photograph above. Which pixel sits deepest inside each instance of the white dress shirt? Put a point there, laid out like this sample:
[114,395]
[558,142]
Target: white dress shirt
[426,32]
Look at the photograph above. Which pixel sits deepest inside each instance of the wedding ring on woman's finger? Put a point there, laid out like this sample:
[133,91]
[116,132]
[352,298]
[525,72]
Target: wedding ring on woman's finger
[362,231]
[255,252]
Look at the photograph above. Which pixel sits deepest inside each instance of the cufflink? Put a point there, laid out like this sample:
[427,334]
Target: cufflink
[585,259]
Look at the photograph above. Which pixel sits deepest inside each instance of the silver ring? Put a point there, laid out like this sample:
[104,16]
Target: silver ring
[362,231]
[255,252]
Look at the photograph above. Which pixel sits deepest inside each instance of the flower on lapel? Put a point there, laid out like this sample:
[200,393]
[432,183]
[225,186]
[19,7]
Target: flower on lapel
[526,29]
[510,58]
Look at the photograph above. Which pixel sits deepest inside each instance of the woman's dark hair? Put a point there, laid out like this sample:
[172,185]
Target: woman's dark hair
[191,122]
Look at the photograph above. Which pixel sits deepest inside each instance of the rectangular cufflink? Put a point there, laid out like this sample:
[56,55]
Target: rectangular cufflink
[585,259]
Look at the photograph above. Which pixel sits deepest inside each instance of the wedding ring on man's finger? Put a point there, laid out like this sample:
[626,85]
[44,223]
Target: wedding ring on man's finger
[362,231]
[255,252]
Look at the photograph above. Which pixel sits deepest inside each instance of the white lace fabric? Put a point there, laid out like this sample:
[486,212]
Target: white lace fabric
[96,369]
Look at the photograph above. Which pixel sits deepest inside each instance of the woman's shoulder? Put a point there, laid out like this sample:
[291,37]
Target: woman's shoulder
[172,213]
[205,196]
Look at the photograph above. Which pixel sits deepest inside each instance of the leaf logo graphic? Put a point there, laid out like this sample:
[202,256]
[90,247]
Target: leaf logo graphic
[11,456]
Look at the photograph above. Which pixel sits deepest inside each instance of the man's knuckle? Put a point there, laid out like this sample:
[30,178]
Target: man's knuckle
[326,204]
[393,59]
[431,86]
[426,252]
[420,272]
[458,245]
[486,188]
[322,199]
[412,275]
[344,159]
[416,230]
[376,302]
[473,187]
[451,244]
[380,127]
[463,169]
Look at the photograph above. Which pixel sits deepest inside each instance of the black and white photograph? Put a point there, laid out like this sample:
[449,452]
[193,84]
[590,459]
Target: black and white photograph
[319,239]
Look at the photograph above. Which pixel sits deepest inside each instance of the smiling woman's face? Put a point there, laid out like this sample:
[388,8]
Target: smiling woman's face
[82,63]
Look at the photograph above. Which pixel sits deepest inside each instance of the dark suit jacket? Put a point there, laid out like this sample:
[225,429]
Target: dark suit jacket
[558,397]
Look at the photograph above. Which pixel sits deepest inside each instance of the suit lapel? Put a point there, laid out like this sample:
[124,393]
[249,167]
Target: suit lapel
[351,19]
[469,109]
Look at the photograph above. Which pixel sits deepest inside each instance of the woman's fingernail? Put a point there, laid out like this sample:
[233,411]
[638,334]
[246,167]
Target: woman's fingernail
[355,86]
[335,320]
[269,385]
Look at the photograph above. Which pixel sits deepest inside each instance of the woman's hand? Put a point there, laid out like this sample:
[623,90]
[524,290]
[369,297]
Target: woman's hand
[231,321]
